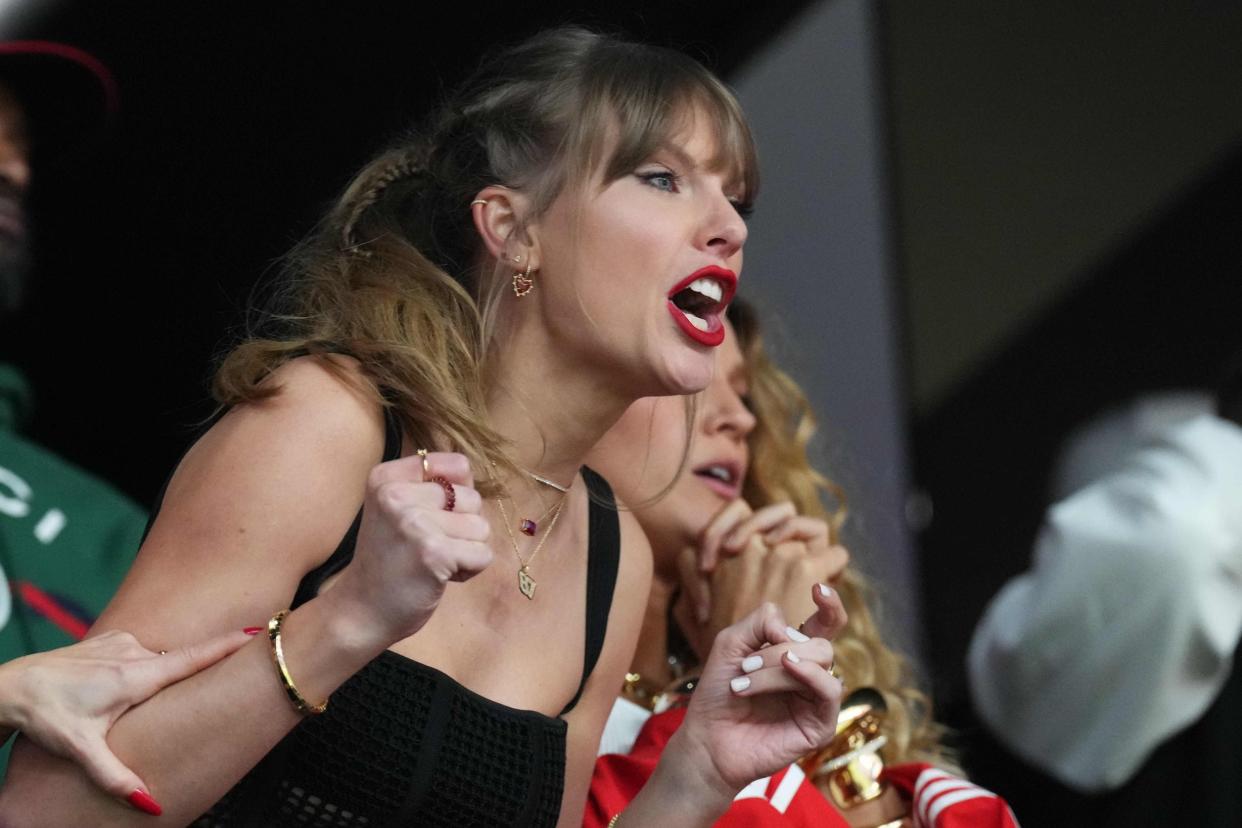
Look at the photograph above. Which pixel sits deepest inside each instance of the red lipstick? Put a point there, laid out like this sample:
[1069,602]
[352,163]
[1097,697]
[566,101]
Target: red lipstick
[699,309]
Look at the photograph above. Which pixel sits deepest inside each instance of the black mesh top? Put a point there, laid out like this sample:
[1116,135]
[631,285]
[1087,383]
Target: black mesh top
[404,744]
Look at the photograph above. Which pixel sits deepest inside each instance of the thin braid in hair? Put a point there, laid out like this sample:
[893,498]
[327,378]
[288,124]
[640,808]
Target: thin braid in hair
[404,163]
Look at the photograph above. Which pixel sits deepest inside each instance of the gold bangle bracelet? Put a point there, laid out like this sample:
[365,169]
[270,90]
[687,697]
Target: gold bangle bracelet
[278,658]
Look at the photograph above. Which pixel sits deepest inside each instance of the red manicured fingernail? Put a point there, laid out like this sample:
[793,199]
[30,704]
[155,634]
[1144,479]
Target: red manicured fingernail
[252,630]
[142,800]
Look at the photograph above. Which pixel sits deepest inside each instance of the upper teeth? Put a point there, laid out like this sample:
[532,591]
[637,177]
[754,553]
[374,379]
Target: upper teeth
[709,288]
[719,472]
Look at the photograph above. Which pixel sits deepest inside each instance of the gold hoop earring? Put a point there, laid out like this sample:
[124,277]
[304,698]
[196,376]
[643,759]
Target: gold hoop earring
[522,282]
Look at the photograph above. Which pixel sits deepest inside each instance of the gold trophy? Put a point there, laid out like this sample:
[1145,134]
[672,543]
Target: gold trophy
[848,770]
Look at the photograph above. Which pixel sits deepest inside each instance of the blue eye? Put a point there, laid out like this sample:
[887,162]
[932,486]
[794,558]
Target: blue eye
[661,179]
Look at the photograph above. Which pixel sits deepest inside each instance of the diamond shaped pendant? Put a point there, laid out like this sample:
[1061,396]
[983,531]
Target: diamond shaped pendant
[526,584]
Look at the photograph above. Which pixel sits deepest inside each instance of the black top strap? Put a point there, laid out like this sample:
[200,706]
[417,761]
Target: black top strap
[603,560]
[603,557]
[309,586]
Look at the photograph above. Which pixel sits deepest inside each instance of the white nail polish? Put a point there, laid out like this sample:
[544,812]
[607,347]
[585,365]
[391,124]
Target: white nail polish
[739,684]
[825,590]
[752,663]
[792,656]
[796,635]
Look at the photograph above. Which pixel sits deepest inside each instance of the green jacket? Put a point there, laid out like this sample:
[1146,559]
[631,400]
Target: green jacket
[66,538]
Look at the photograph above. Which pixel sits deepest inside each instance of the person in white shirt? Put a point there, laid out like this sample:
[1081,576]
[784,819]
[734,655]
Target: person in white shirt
[1123,631]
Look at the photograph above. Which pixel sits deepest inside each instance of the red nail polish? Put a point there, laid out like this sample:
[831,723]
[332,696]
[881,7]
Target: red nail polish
[142,800]
[252,630]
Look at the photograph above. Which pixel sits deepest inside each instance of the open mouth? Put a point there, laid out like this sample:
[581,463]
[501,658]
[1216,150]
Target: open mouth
[698,303]
[724,478]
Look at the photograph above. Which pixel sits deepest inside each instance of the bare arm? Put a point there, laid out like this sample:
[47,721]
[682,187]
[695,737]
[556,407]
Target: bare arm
[66,700]
[263,498]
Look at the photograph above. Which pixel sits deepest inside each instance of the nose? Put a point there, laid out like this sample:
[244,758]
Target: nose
[725,230]
[728,414]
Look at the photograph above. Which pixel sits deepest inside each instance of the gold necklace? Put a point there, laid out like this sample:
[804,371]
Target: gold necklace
[527,526]
[530,527]
[527,584]
[545,481]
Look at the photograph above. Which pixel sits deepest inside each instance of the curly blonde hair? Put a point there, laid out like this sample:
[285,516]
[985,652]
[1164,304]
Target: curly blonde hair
[781,470]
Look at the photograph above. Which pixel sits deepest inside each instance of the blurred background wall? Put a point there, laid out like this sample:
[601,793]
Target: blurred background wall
[1067,186]
[820,263]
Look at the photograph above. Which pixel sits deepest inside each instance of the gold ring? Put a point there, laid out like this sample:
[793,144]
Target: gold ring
[482,201]
[426,466]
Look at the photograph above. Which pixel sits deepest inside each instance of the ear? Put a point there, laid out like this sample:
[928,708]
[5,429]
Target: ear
[498,214]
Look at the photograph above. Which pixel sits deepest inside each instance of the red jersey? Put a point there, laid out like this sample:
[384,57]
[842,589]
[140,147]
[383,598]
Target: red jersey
[788,799]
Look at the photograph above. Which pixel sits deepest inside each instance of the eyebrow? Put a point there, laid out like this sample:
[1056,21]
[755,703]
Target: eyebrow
[677,152]
[735,179]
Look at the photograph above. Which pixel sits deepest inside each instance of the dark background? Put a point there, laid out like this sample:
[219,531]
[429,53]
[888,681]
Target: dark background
[1163,312]
[239,122]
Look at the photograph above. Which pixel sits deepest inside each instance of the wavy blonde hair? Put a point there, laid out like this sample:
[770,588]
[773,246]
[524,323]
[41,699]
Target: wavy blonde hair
[396,275]
[781,470]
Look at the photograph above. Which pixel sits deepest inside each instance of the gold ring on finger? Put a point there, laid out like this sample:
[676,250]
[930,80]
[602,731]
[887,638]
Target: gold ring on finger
[426,466]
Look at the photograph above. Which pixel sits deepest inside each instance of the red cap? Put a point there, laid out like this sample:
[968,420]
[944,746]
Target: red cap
[68,93]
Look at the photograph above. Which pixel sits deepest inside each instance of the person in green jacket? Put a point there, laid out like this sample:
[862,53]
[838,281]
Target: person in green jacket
[66,537]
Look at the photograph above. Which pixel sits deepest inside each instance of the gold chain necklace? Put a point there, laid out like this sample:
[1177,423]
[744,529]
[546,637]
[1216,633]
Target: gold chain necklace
[545,481]
[527,584]
[530,527]
[526,525]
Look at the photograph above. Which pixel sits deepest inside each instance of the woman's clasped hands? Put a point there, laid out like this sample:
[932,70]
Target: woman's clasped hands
[746,557]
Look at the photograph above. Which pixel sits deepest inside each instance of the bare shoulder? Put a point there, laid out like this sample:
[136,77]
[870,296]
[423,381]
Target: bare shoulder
[328,388]
[293,456]
[261,499]
[322,411]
